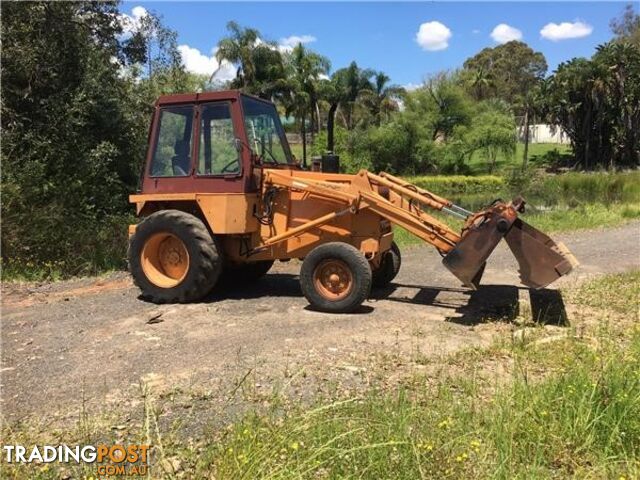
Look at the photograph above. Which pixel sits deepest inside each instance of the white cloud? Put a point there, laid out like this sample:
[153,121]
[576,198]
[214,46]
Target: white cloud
[504,33]
[433,36]
[197,62]
[294,40]
[412,86]
[283,48]
[475,31]
[130,23]
[563,31]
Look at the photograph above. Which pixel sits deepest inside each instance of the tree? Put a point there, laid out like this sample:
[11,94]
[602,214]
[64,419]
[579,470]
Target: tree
[305,68]
[480,83]
[597,103]
[237,48]
[260,68]
[74,125]
[343,90]
[382,98]
[492,132]
[627,26]
[439,106]
[270,80]
[514,69]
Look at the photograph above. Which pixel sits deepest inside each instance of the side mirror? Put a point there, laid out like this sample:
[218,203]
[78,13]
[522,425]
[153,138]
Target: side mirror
[237,143]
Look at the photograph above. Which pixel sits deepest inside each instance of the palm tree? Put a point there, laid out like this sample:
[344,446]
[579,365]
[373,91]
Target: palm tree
[237,48]
[380,100]
[270,80]
[305,69]
[481,83]
[343,90]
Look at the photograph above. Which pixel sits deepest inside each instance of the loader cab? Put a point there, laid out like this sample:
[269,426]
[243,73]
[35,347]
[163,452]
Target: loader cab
[213,142]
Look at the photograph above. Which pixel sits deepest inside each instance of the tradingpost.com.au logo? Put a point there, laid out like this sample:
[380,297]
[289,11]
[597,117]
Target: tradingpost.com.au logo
[109,459]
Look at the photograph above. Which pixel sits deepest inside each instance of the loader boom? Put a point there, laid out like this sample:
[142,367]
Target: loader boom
[464,255]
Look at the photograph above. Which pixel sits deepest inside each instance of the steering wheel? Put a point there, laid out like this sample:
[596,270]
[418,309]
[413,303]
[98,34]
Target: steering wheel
[226,168]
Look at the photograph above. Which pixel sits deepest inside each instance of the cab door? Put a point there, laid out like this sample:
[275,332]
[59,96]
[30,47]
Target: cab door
[195,149]
[221,163]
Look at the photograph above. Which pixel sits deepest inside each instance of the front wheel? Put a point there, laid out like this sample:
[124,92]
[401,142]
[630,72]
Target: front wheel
[335,277]
[173,258]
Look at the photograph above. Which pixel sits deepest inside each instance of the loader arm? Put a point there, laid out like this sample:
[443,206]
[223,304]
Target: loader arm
[541,260]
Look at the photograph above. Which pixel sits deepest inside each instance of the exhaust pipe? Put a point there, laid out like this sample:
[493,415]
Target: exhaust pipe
[541,260]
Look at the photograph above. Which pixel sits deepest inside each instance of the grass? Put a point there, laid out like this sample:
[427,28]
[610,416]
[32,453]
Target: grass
[540,154]
[296,150]
[567,409]
[550,406]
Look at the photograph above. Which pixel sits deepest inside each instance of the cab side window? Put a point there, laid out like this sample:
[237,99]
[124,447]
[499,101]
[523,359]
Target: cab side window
[172,154]
[217,152]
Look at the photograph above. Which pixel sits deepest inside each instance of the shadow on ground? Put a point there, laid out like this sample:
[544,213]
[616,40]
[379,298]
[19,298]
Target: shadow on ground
[271,285]
[487,303]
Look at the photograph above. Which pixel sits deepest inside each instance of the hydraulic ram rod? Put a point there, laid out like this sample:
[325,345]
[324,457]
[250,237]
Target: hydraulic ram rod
[446,205]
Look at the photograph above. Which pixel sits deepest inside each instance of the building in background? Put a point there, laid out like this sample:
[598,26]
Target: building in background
[545,133]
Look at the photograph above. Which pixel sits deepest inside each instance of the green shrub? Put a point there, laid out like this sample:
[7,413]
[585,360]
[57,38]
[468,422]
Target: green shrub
[390,148]
[345,143]
[570,189]
[600,187]
[459,184]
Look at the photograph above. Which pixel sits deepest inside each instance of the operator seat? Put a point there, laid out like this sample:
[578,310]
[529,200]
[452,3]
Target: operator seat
[180,161]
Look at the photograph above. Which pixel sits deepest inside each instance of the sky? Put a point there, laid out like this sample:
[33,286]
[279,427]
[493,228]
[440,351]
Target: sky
[407,41]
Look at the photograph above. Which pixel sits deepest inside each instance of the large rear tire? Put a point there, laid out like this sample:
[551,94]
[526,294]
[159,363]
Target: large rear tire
[335,277]
[389,267]
[173,258]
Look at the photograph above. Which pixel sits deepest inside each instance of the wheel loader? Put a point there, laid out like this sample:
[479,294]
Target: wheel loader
[222,198]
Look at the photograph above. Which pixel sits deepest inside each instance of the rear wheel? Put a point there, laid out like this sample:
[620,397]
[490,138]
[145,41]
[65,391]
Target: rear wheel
[173,258]
[389,267]
[335,277]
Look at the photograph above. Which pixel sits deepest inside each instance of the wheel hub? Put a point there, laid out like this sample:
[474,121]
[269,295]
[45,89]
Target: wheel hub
[165,260]
[333,279]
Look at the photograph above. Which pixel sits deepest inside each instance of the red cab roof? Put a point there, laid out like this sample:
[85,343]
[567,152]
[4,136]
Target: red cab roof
[202,97]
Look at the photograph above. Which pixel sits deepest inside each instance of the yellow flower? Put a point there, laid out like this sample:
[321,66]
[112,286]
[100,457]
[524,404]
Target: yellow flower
[295,446]
[444,423]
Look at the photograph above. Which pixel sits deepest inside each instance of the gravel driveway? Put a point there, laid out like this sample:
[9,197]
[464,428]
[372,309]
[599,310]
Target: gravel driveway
[94,338]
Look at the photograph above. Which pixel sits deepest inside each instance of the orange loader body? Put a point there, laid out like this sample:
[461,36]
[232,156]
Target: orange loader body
[229,199]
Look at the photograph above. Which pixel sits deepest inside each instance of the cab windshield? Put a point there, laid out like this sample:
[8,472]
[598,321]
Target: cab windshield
[264,132]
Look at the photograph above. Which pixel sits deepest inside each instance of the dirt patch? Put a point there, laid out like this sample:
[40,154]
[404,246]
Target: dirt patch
[27,295]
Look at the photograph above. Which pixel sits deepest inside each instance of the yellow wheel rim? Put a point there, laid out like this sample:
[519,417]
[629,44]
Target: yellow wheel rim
[333,279]
[164,260]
